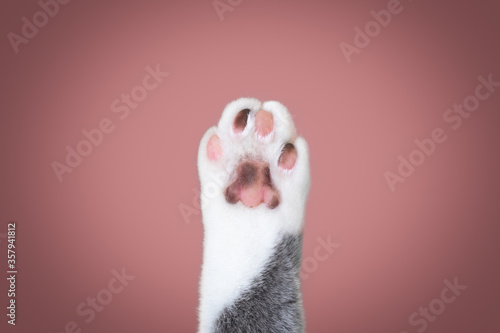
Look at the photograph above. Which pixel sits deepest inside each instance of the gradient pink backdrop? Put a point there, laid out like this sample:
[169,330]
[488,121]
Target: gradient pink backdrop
[121,206]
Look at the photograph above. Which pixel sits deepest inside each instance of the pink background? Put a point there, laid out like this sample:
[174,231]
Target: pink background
[121,206]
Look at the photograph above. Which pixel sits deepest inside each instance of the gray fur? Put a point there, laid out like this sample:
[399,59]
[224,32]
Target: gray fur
[273,304]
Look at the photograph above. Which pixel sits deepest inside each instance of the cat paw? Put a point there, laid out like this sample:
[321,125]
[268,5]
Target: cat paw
[254,157]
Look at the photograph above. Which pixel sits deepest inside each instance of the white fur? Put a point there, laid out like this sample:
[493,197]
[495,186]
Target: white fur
[239,240]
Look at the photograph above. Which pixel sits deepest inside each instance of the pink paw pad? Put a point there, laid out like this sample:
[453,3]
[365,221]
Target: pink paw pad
[264,123]
[214,150]
[288,157]
[253,186]
[240,122]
